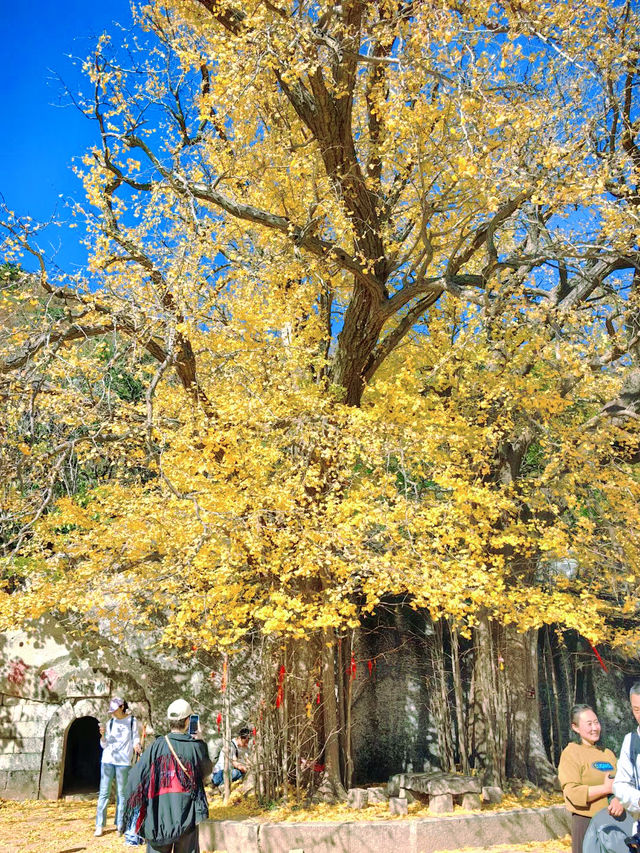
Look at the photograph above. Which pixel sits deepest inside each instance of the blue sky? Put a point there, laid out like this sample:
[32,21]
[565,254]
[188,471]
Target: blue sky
[38,136]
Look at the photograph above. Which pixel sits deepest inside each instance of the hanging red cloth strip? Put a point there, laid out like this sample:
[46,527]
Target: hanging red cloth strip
[597,654]
[353,667]
[370,667]
[280,695]
[219,721]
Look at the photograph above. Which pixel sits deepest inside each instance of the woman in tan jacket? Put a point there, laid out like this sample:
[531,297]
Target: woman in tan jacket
[586,774]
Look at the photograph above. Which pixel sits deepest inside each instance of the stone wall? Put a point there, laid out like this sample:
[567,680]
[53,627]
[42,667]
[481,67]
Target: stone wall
[47,681]
[22,728]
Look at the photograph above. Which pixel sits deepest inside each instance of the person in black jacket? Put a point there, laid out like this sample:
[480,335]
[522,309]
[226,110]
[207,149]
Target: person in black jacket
[166,786]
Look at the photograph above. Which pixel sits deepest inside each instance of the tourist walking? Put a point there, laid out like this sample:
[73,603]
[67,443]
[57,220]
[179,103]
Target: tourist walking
[119,740]
[586,773]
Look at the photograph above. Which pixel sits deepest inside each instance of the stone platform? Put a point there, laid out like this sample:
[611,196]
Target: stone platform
[427,835]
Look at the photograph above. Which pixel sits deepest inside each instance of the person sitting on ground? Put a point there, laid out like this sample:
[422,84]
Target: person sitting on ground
[586,774]
[167,786]
[237,758]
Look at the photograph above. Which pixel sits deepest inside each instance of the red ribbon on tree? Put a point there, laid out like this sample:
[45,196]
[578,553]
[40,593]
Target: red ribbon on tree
[352,668]
[597,654]
[219,721]
[318,693]
[280,695]
[370,667]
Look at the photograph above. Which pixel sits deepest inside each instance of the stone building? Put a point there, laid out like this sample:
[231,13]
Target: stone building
[54,694]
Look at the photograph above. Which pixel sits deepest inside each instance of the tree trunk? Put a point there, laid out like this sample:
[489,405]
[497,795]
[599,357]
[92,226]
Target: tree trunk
[440,705]
[526,754]
[458,691]
[490,712]
[356,343]
[330,709]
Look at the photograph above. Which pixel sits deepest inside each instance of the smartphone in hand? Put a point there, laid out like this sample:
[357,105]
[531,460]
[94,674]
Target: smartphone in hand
[194,723]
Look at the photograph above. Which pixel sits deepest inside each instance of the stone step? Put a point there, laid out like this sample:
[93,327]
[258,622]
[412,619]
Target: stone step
[518,826]
[81,797]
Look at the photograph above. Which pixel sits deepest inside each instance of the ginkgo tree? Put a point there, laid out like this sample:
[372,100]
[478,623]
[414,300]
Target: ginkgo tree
[366,325]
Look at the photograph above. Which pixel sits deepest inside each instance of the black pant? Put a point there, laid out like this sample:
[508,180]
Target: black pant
[187,843]
[579,826]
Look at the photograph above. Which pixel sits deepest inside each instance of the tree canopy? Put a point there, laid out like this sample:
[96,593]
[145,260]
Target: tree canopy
[360,319]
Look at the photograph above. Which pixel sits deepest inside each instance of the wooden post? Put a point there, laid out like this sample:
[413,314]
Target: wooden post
[227,731]
[285,731]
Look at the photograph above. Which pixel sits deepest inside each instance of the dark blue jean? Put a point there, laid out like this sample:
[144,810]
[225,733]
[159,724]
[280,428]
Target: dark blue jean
[218,776]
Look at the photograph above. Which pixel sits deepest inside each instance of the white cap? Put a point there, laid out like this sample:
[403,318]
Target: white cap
[115,703]
[179,710]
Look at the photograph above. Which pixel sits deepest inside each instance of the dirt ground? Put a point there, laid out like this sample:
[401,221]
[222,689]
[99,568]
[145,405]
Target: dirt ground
[44,826]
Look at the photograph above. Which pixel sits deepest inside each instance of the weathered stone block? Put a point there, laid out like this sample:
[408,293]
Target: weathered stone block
[433,784]
[471,802]
[413,781]
[398,805]
[27,712]
[492,794]
[23,729]
[392,787]
[7,746]
[453,783]
[377,795]
[441,803]
[20,761]
[233,836]
[87,685]
[405,794]
[22,785]
[357,798]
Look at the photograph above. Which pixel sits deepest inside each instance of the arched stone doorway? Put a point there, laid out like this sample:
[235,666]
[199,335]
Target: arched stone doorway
[55,742]
[81,774]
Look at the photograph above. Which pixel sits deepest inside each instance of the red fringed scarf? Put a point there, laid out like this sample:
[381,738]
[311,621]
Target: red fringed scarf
[162,775]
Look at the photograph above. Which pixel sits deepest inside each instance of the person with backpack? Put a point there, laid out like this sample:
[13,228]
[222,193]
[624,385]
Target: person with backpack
[119,740]
[626,785]
[237,759]
[586,773]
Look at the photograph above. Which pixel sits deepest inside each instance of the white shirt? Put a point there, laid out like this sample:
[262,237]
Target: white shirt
[625,785]
[236,753]
[120,736]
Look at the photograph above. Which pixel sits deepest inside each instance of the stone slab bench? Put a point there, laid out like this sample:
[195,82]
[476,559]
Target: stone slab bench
[440,790]
[518,826]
